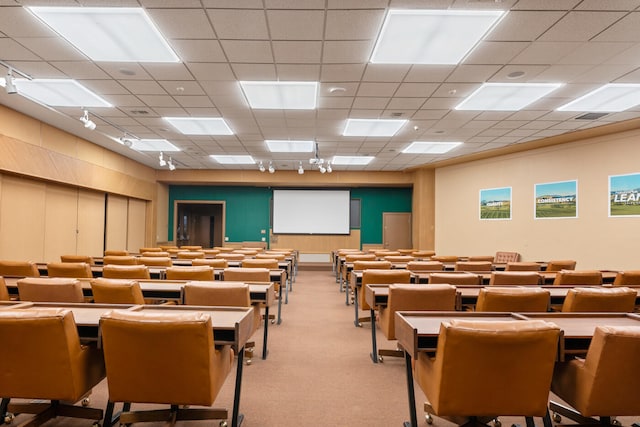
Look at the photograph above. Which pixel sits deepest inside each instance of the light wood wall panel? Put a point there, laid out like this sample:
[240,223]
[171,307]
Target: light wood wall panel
[136,225]
[423,207]
[116,223]
[61,222]
[91,221]
[315,243]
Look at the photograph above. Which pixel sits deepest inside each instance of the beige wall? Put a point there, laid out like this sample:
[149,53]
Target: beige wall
[593,239]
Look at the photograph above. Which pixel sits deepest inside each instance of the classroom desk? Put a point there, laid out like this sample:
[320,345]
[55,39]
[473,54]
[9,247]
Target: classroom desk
[547,277]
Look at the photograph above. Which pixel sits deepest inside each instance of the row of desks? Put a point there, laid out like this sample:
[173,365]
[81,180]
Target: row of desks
[231,325]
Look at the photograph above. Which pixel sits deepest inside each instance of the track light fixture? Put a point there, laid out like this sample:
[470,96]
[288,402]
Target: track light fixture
[320,163]
[261,167]
[172,167]
[329,167]
[10,84]
[271,168]
[300,169]
[88,123]
[163,162]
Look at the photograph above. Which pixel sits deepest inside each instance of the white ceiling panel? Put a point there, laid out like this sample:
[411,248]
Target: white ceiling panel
[182,23]
[580,26]
[239,24]
[353,24]
[296,24]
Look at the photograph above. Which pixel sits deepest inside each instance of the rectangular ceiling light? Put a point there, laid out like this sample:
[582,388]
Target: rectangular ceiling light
[233,159]
[351,160]
[153,145]
[290,146]
[281,95]
[425,147]
[608,98]
[115,34]
[431,36]
[372,127]
[200,125]
[506,96]
[59,93]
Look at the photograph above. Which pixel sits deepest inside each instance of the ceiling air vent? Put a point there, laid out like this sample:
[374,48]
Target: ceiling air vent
[396,114]
[591,116]
[139,112]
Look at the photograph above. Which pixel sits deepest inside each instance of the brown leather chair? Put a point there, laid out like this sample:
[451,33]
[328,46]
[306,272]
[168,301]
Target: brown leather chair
[191,247]
[445,258]
[156,254]
[615,299]
[503,257]
[116,252]
[515,278]
[231,256]
[44,360]
[119,260]
[408,297]
[126,272]
[197,272]
[166,248]
[246,252]
[272,255]
[211,262]
[423,254]
[523,266]
[155,261]
[116,291]
[190,254]
[513,299]
[578,278]
[150,249]
[4,292]
[223,249]
[473,266]
[19,268]
[627,278]
[398,259]
[45,289]
[77,258]
[460,278]
[587,384]
[270,263]
[486,258]
[176,362]
[239,274]
[352,258]
[379,276]
[425,266]
[561,264]
[69,269]
[471,356]
[362,265]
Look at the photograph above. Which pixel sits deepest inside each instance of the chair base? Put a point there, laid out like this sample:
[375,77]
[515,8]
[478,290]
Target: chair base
[468,421]
[572,414]
[389,353]
[47,411]
[171,416]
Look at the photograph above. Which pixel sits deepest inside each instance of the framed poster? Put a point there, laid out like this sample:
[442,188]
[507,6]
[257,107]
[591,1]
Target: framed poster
[495,203]
[556,200]
[624,195]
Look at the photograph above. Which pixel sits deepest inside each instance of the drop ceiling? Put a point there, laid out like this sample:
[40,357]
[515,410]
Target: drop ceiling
[583,44]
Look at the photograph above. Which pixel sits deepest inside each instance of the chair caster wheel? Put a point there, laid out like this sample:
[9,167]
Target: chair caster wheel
[96,424]
[497,423]
[8,418]
[273,321]
[380,359]
[616,423]
[223,424]
[248,362]
[428,418]
[85,401]
[556,417]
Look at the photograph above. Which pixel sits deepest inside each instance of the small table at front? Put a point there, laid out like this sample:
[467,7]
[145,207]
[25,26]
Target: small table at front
[231,325]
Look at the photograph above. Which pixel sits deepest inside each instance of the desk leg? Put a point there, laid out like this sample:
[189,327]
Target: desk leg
[266,331]
[346,291]
[411,392]
[236,417]
[286,291]
[279,304]
[374,341]
[355,306]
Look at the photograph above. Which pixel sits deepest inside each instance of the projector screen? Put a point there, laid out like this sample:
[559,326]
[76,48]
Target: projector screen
[311,211]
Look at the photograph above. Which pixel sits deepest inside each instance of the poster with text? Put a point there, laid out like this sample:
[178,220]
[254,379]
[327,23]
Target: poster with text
[556,200]
[495,203]
[624,195]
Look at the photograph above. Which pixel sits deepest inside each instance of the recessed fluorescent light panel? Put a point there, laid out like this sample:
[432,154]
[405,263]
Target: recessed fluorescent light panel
[431,36]
[59,93]
[233,159]
[373,127]
[608,98]
[290,146]
[115,34]
[424,147]
[506,96]
[351,160]
[281,95]
[153,145]
[200,125]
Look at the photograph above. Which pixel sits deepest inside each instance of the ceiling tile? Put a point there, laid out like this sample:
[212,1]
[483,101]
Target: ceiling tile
[13,51]
[524,25]
[239,24]
[208,71]
[342,72]
[198,50]
[625,30]
[247,51]
[346,52]
[182,23]
[254,71]
[545,52]
[580,26]
[297,52]
[296,24]
[385,72]
[353,24]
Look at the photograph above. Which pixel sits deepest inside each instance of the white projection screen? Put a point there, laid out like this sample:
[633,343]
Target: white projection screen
[311,211]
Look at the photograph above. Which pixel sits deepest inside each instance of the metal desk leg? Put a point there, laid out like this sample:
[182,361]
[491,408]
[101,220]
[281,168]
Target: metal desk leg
[411,393]
[374,342]
[346,291]
[279,304]
[266,331]
[286,291]
[355,305]
[236,417]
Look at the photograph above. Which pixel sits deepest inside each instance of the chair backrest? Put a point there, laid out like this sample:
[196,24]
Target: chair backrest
[45,289]
[460,278]
[44,359]
[561,264]
[19,268]
[618,299]
[151,376]
[77,258]
[126,272]
[167,247]
[422,254]
[196,272]
[359,257]
[371,265]
[502,257]
[578,278]
[217,293]
[190,254]
[425,266]
[473,266]
[156,254]
[116,291]
[210,252]
[260,263]
[271,255]
[150,249]
[408,297]
[445,258]
[239,274]
[385,253]
[224,249]
[246,252]
[488,258]
[156,261]
[4,292]
[116,252]
[398,258]
[119,260]
[523,266]
[69,269]
[381,276]
[191,248]
[532,299]
[211,262]
[627,278]
[515,278]
[230,256]
[456,385]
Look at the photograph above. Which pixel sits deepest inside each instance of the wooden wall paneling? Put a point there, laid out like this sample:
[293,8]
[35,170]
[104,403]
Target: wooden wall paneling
[91,223]
[116,223]
[136,224]
[61,222]
[315,243]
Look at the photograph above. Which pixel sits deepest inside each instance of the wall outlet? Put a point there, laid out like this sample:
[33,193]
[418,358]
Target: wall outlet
[264,239]
[226,238]
[263,232]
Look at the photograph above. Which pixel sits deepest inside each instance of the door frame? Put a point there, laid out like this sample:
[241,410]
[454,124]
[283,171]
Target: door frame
[384,228]
[199,202]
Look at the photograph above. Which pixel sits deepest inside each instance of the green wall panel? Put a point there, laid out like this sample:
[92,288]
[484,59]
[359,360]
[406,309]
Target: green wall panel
[375,201]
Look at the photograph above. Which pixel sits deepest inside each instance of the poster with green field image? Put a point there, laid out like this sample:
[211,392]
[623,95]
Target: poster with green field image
[495,203]
[557,200]
[624,195]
